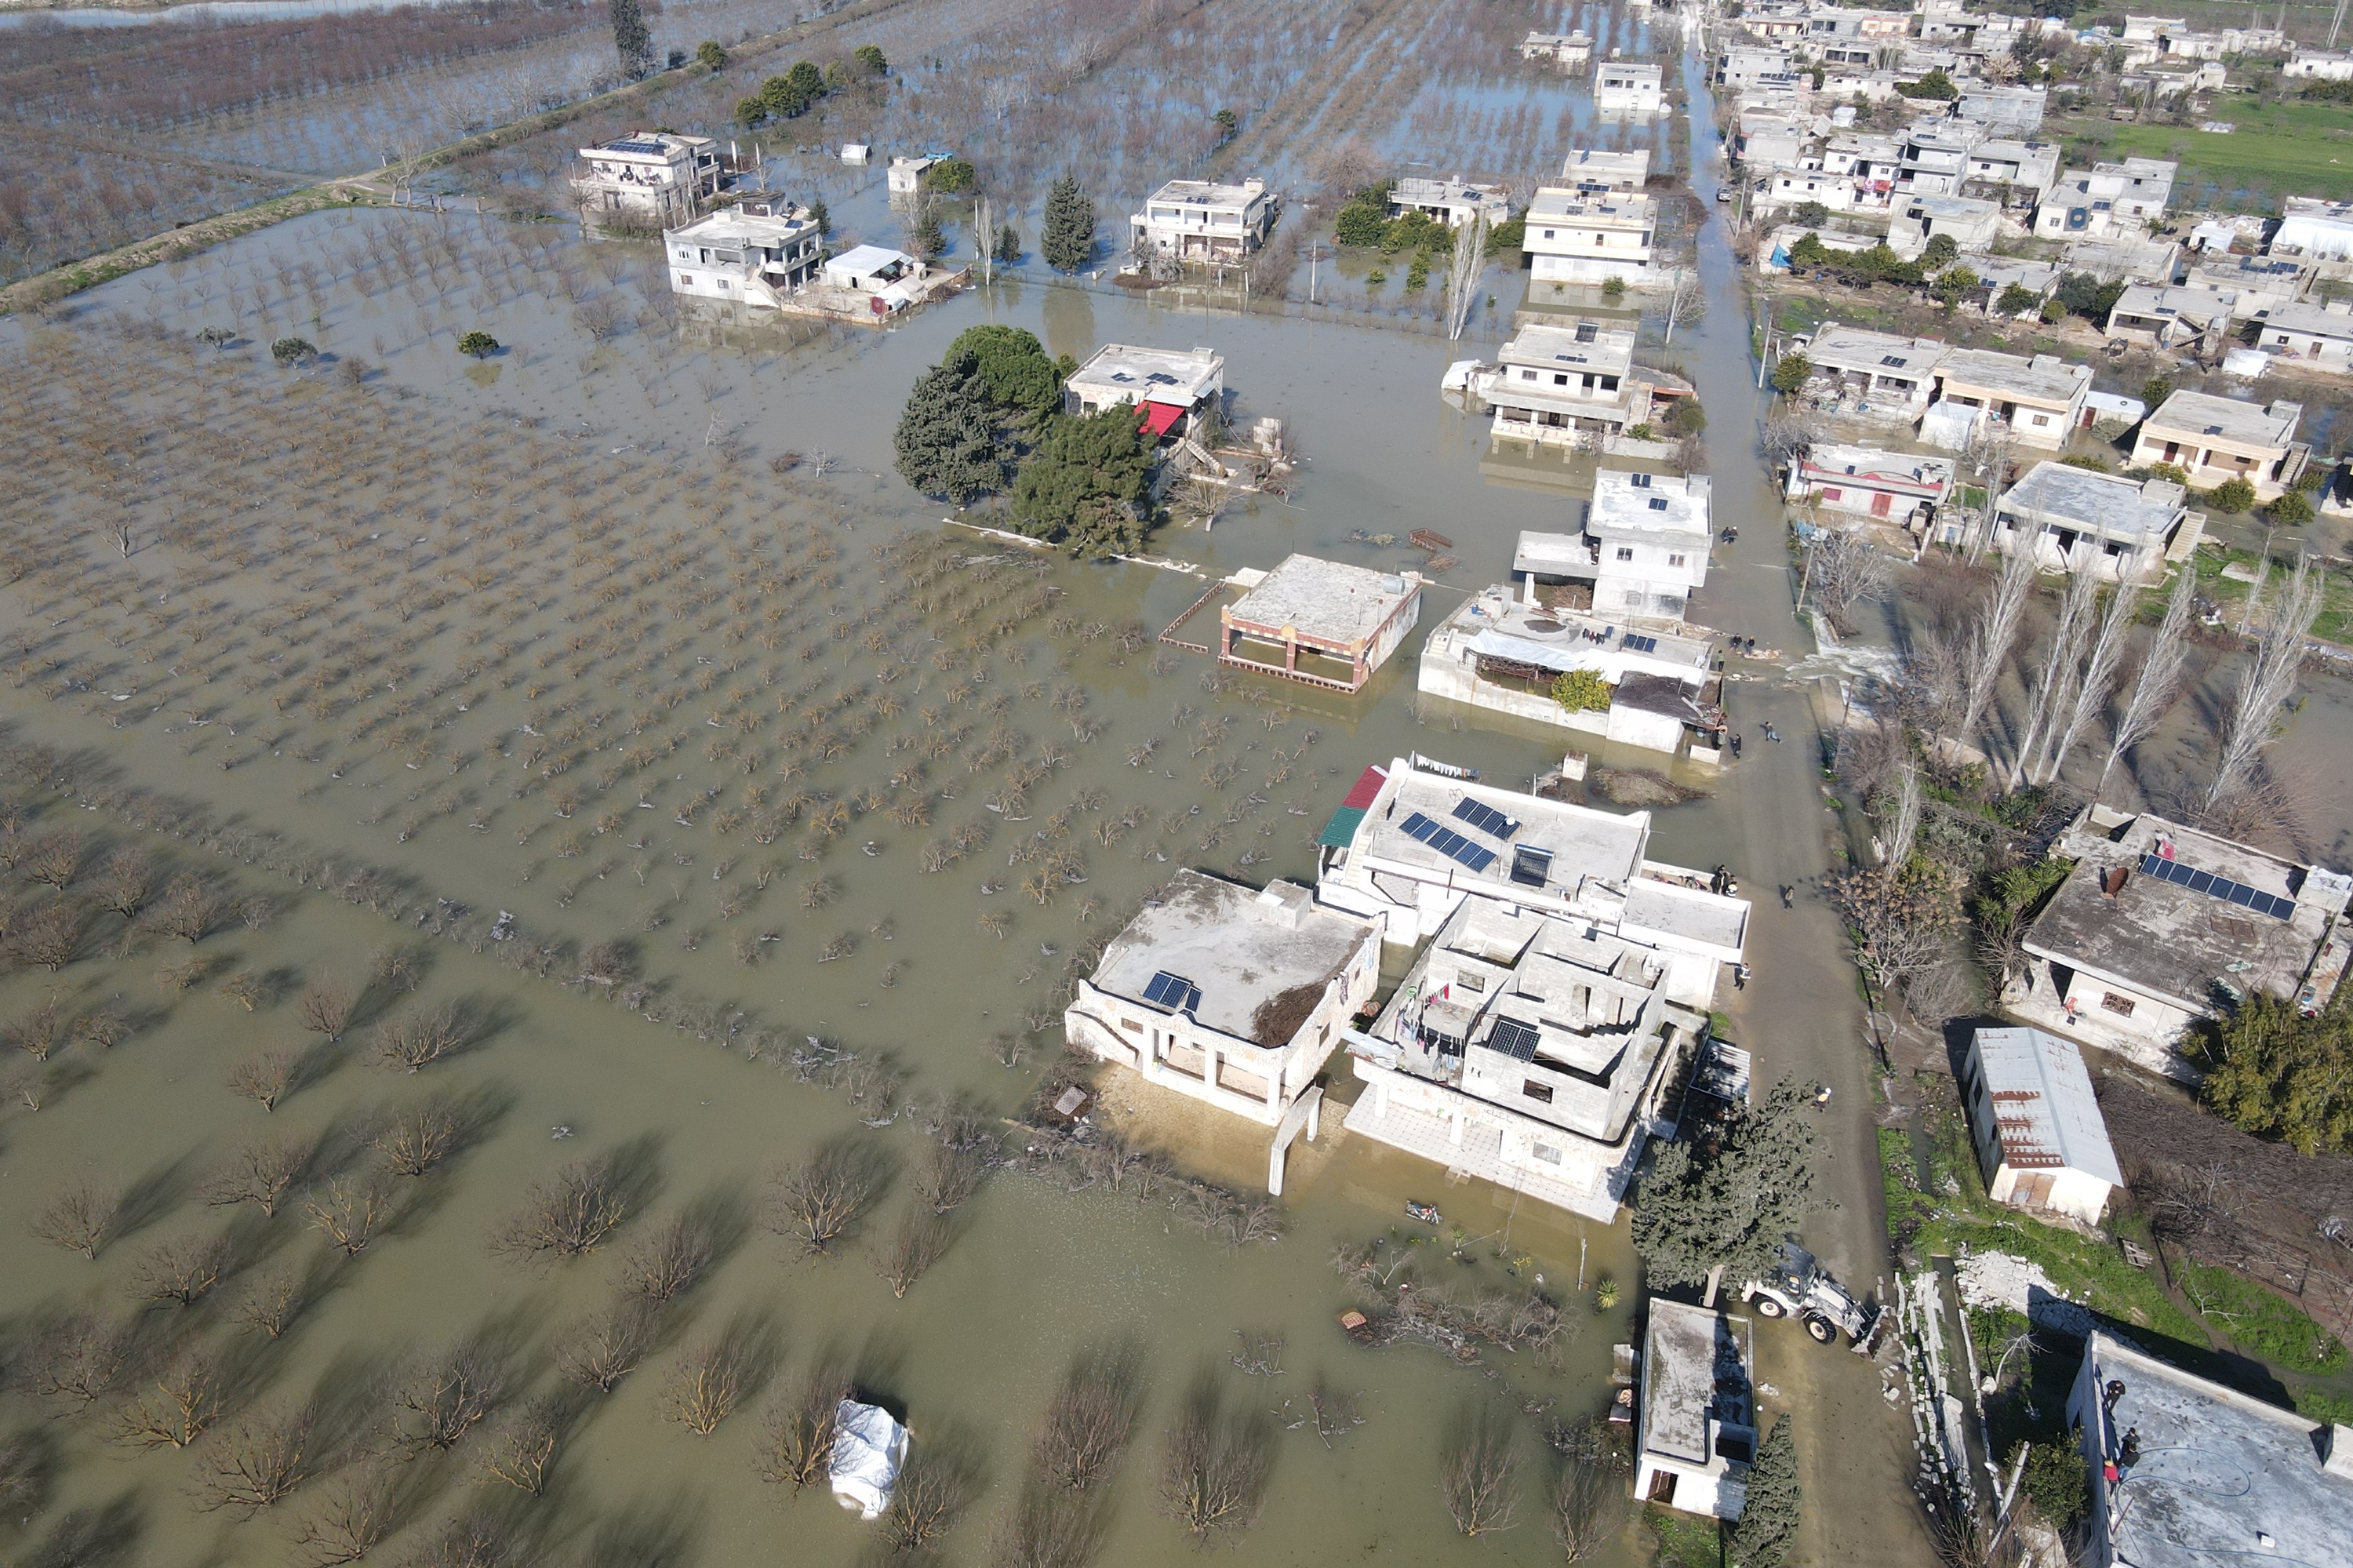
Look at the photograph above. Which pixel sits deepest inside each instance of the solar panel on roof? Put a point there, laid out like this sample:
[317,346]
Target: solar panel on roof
[1173,992]
[1486,818]
[1512,1038]
[1642,643]
[2221,887]
[1418,826]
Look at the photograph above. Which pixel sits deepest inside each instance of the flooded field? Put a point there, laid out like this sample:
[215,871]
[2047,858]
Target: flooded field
[630,633]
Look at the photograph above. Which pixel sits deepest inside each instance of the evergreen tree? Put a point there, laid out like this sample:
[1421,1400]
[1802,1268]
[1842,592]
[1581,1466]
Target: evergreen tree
[1086,486]
[947,442]
[1008,243]
[820,217]
[632,39]
[1069,243]
[1767,1525]
[1021,380]
[1731,1204]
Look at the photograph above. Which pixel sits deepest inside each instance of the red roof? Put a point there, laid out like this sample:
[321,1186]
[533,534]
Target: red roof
[1159,417]
[1368,784]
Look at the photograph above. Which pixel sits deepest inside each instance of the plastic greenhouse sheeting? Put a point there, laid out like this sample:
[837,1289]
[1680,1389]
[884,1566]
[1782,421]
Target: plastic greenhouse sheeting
[869,1446]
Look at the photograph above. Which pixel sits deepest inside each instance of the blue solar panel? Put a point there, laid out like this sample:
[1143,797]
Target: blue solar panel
[1173,992]
[2214,887]
[1486,818]
[1418,826]
[1447,842]
[1513,1038]
[1640,643]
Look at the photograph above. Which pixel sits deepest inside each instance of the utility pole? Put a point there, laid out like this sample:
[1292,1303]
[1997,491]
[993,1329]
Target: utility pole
[2335,22]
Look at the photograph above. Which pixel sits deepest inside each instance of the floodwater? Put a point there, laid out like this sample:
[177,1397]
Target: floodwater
[195,11]
[459,575]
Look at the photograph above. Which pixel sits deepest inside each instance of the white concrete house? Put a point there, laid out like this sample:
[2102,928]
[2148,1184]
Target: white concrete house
[1873,374]
[2151,1430]
[2157,922]
[1566,860]
[1588,170]
[1229,994]
[1322,623]
[2040,399]
[893,279]
[2317,337]
[1628,91]
[651,176]
[2108,200]
[1972,224]
[905,174]
[1503,654]
[2042,1143]
[1902,489]
[2314,229]
[1575,237]
[1649,535]
[1571,51]
[1170,384]
[1698,1410]
[1451,202]
[1527,1050]
[1205,220]
[2075,519]
[1562,385]
[2216,439]
[754,254]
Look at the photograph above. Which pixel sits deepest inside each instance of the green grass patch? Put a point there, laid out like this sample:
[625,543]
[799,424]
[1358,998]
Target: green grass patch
[2321,1405]
[2090,1271]
[1684,1539]
[1907,1207]
[2259,1321]
[2273,150]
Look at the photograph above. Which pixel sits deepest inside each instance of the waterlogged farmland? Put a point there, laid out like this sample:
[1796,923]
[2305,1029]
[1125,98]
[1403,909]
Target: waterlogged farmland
[538,886]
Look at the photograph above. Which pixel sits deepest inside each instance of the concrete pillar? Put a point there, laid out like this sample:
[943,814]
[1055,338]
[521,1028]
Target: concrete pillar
[1381,1099]
[1315,1118]
[1455,1129]
[1209,1065]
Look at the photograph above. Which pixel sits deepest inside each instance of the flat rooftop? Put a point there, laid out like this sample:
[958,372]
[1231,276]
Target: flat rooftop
[2313,319]
[1611,208]
[1150,374]
[2229,420]
[1506,628]
[1957,209]
[1858,348]
[2222,1477]
[1871,465]
[1414,190]
[2045,378]
[2044,1110]
[1585,845]
[1619,171]
[1656,504]
[1587,345]
[1691,1355]
[2106,502]
[2177,940]
[733,226]
[1210,193]
[1328,600]
[2195,304]
[1240,947]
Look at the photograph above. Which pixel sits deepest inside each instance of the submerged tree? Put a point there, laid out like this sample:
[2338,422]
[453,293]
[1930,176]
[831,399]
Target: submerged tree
[1704,1212]
[1478,1474]
[1069,241]
[632,39]
[947,440]
[2267,679]
[1214,1475]
[1088,485]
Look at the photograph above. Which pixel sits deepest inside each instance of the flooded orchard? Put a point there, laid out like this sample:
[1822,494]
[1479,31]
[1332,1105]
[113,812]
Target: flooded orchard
[540,887]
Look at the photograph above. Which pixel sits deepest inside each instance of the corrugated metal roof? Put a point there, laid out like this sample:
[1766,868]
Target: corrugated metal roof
[2045,1114]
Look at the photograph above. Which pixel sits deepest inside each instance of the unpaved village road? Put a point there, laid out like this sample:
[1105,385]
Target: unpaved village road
[1800,1013]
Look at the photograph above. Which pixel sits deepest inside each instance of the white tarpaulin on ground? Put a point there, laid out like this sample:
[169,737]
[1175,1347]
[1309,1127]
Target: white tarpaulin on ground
[868,1449]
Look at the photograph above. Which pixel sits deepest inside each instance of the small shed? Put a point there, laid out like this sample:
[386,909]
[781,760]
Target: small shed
[2040,1141]
[1698,1432]
[1325,623]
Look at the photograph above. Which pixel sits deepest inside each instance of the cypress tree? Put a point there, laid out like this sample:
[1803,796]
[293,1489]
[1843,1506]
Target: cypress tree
[1069,242]
[946,441]
[1731,1204]
[632,39]
[1767,1525]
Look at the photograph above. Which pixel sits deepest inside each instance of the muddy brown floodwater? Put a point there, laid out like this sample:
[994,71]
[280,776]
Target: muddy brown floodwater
[773,755]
